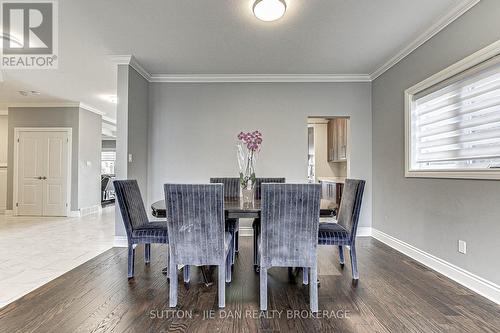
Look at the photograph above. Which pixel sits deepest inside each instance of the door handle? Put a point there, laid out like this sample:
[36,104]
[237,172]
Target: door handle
[44,177]
[39,178]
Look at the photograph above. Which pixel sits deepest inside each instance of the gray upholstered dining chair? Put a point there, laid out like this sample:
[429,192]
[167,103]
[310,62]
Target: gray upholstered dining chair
[195,215]
[231,191]
[343,233]
[289,232]
[137,225]
[256,224]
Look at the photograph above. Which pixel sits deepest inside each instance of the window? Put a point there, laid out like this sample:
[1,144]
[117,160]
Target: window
[108,159]
[453,120]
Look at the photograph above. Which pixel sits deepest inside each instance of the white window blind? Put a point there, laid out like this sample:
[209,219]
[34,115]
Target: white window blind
[456,124]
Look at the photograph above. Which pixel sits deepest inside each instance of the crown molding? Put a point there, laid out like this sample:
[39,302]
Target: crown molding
[461,8]
[44,105]
[91,109]
[210,78]
[56,105]
[132,62]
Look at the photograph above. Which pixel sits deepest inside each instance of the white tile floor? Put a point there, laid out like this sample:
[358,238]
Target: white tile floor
[35,250]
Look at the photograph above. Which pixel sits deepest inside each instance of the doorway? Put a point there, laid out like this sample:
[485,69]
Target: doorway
[329,157]
[42,171]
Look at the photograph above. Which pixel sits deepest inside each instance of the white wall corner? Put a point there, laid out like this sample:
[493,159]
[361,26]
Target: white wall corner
[120,241]
[476,283]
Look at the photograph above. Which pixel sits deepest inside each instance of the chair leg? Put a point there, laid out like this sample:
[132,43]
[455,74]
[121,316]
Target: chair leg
[147,253]
[228,267]
[354,262]
[173,283]
[313,289]
[341,255]
[165,269]
[131,257]
[263,288]
[255,263]
[232,252]
[222,286]
[305,276]
[186,272]
[237,241]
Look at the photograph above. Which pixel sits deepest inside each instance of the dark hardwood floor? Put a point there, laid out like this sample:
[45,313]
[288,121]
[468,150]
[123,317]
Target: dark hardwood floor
[394,294]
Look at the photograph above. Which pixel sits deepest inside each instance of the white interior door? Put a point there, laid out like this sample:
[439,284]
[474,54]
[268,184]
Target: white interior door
[42,169]
[30,168]
[55,178]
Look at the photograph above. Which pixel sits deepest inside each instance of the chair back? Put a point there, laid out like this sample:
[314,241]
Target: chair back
[260,181]
[131,205]
[231,186]
[289,224]
[350,206]
[195,215]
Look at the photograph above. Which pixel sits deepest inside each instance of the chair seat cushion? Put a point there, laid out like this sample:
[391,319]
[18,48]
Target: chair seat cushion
[332,234]
[152,232]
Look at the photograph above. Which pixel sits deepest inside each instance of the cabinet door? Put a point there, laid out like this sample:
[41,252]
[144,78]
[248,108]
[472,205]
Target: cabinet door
[342,138]
[331,140]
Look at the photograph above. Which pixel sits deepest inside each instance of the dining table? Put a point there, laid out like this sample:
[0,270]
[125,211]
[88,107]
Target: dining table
[234,208]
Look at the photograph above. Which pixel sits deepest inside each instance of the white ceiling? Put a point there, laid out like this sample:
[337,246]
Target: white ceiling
[219,37]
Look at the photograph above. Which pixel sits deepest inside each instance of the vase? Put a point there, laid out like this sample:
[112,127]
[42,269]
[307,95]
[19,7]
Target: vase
[247,195]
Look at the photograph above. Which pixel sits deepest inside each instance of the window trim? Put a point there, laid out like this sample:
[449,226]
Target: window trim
[485,54]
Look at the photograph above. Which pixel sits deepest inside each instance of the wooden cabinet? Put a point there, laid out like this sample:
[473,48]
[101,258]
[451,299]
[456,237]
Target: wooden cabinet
[337,140]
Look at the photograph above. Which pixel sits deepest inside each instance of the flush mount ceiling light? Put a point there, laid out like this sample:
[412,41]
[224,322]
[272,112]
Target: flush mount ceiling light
[269,10]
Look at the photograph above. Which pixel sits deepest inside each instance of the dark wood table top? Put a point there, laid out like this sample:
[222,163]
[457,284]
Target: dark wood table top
[233,208]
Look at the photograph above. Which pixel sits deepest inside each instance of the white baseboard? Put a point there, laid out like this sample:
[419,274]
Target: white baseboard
[74,213]
[364,232]
[95,209]
[476,283]
[120,241]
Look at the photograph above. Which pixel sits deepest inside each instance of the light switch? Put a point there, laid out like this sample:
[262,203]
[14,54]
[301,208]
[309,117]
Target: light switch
[130,158]
[462,246]
[89,163]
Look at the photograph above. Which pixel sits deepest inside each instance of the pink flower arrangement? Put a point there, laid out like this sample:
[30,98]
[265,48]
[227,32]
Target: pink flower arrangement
[248,147]
[252,140]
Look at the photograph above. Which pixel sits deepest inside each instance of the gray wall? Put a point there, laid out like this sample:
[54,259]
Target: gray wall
[89,159]
[138,130]
[44,117]
[131,132]
[433,214]
[193,128]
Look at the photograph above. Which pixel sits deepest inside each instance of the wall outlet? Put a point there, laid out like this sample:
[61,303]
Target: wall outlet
[130,158]
[462,246]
